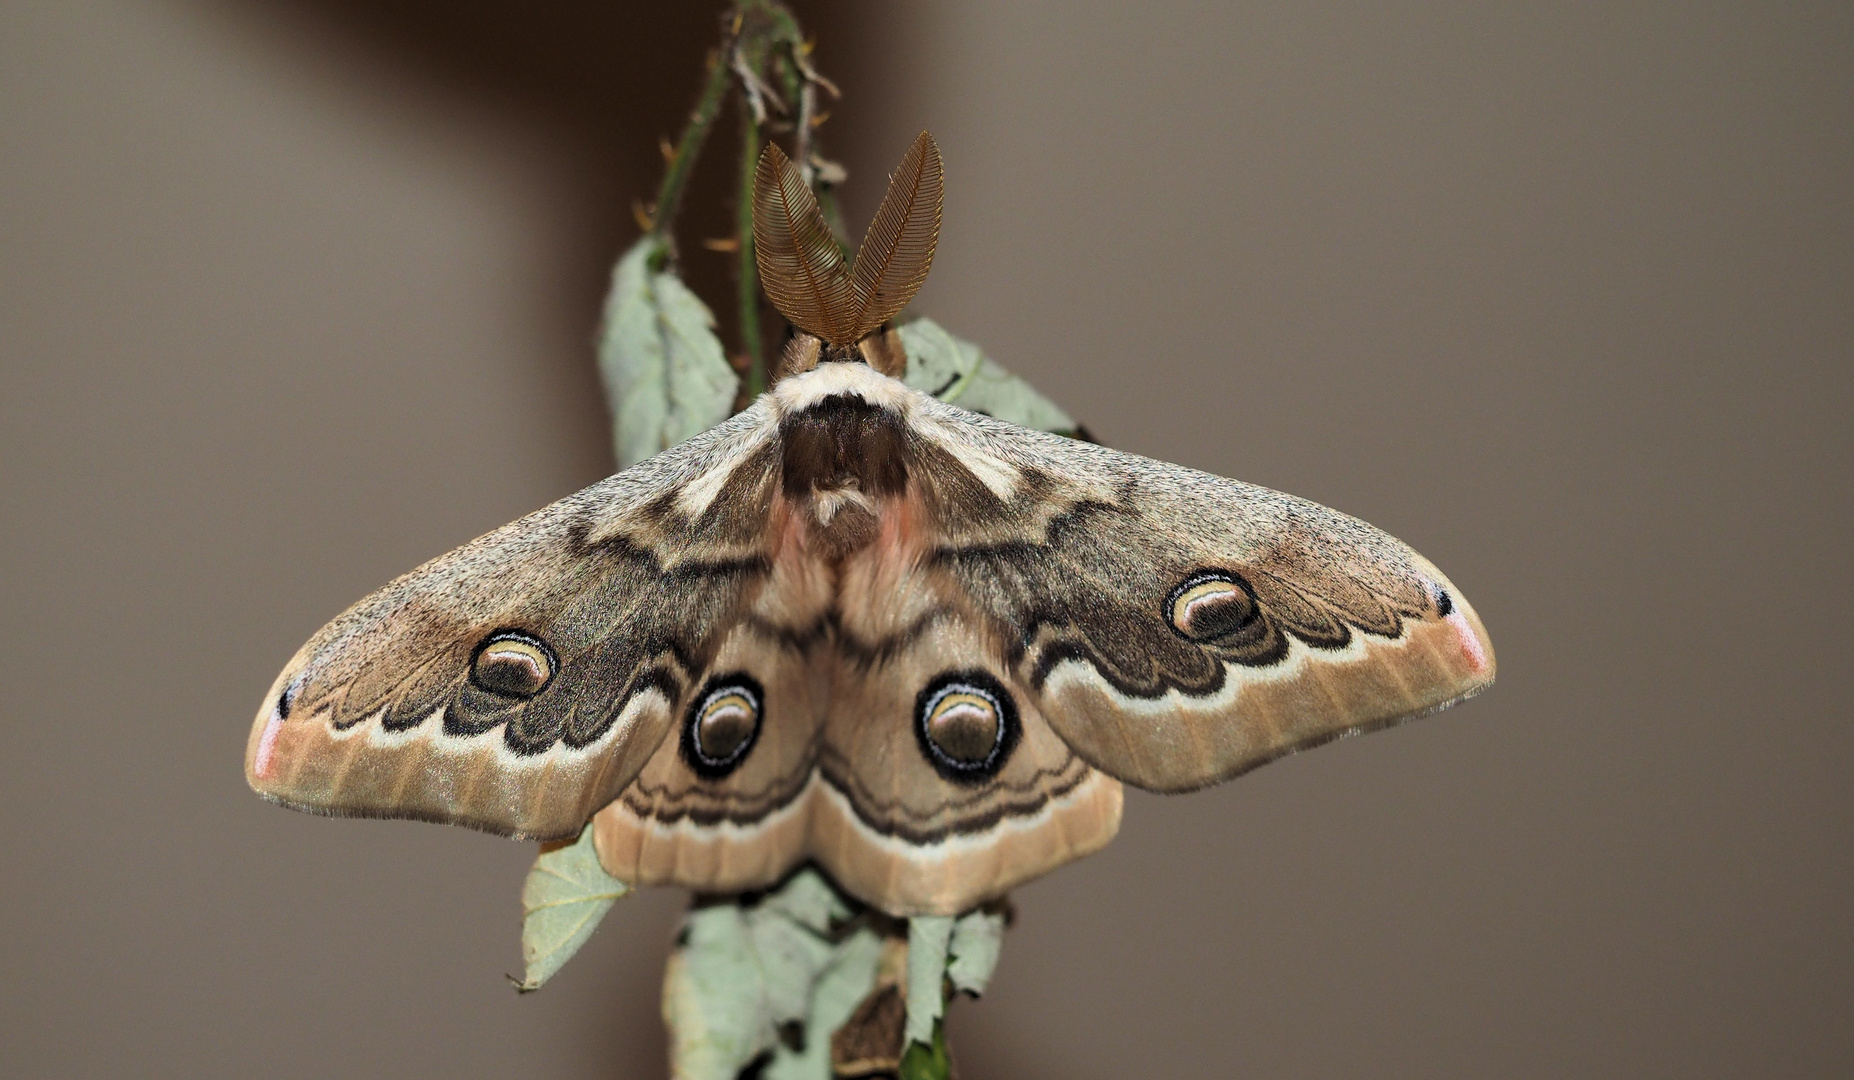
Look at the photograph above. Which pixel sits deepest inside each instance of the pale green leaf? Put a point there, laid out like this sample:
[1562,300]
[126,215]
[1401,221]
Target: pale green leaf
[928,937]
[740,971]
[839,989]
[808,900]
[790,956]
[714,997]
[958,373]
[977,939]
[666,375]
[565,896]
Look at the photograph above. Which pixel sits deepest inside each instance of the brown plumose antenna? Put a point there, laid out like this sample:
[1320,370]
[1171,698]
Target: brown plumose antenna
[802,268]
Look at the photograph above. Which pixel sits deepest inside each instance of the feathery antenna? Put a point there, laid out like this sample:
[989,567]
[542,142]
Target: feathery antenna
[897,250]
[801,266]
[803,269]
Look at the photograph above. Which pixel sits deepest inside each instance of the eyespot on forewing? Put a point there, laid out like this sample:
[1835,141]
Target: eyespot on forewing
[513,664]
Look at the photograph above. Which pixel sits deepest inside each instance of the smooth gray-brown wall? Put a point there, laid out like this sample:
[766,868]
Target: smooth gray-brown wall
[296,294]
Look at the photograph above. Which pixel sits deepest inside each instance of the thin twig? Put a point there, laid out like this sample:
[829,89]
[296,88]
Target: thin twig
[804,142]
[682,159]
[808,118]
[758,93]
[801,139]
[748,275]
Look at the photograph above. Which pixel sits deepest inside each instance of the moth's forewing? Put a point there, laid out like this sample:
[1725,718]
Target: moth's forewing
[520,682]
[1179,628]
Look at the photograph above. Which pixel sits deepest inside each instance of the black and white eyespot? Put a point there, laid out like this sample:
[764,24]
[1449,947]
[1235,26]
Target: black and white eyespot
[513,664]
[1445,604]
[1209,604]
[966,724]
[723,724]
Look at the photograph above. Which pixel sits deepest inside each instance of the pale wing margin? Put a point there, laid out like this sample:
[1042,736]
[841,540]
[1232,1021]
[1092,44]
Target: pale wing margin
[627,586]
[1179,628]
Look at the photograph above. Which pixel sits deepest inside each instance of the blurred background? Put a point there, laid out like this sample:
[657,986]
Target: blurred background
[296,294]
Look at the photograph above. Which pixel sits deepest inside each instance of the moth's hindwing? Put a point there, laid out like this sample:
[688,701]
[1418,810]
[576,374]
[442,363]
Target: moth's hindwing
[724,804]
[941,783]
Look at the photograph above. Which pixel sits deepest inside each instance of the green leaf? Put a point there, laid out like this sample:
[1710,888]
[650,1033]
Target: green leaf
[839,989]
[740,971]
[714,996]
[958,373]
[565,896]
[962,951]
[808,900]
[666,376]
[791,955]
[928,937]
[978,937]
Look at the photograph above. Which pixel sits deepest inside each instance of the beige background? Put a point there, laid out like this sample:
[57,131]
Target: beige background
[296,294]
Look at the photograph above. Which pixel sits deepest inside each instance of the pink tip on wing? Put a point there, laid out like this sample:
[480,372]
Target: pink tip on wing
[1470,641]
[267,742]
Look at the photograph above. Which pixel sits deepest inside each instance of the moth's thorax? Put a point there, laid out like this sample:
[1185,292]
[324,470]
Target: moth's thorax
[844,465]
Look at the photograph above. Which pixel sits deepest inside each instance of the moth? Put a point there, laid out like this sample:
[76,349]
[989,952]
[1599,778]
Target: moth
[856,625]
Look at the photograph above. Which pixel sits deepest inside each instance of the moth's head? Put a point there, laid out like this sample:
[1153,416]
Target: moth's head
[800,394]
[837,307]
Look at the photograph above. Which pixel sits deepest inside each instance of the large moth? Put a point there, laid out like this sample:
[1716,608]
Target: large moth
[856,625]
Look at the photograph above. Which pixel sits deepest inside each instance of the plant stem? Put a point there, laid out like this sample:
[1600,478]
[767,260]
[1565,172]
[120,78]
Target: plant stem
[923,1061]
[688,148]
[749,278]
[760,40]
